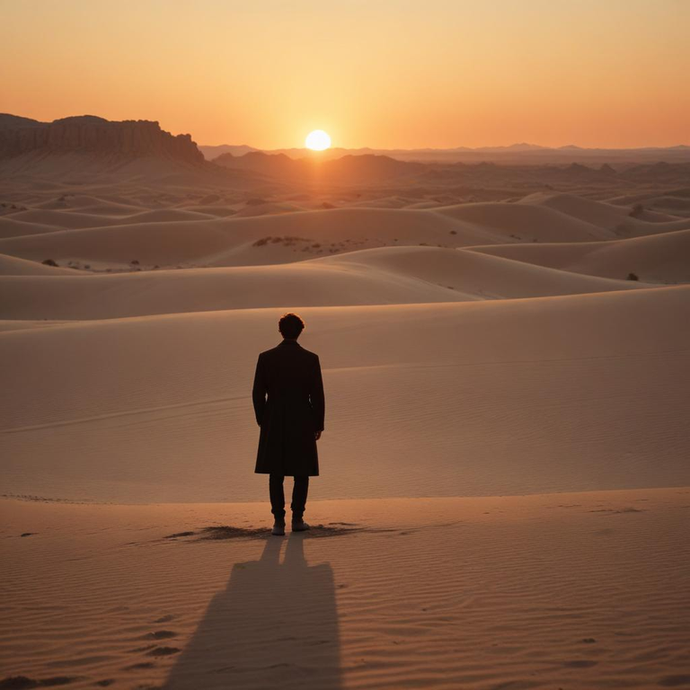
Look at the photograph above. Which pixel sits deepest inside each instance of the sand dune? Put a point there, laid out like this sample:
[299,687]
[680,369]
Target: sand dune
[25,324]
[192,290]
[481,388]
[89,205]
[604,215]
[12,266]
[461,270]
[679,204]
[218,211]
[597,213]
[231,241]
[384,202]
[10,227]
[657,258]
[675,203]
[166,215]
[525,222]
[65,219]
[267,209]
[171,237]
[389,275]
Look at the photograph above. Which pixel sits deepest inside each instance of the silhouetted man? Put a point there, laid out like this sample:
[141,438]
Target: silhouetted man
[289,405]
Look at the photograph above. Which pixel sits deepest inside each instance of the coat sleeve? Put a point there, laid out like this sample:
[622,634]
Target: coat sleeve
[259,391]
[317,397]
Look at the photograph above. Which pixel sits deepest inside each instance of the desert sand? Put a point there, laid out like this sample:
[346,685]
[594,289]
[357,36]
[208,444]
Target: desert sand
[504,494]
[578,590]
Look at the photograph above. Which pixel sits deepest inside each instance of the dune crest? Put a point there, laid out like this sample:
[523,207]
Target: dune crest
[503,349]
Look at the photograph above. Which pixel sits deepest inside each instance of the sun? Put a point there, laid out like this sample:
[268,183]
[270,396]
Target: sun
[317,140]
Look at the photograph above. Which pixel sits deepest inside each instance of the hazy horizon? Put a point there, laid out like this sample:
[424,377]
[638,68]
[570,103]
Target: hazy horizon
[514,145]
[399,75]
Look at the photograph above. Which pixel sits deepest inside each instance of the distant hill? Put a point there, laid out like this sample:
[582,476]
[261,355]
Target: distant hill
[348,169]
[212,152]
[516,154]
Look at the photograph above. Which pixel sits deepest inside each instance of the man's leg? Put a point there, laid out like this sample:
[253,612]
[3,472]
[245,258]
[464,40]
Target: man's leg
[299,496]
[275,490]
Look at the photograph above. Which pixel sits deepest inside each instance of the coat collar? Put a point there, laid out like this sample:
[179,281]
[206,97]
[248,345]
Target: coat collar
[289,343]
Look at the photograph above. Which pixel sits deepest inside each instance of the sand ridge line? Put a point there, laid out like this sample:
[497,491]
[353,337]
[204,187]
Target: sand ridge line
[415,306]
[344,370]
[124,413]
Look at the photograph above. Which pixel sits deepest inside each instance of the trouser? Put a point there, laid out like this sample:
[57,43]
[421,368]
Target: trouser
[299,496]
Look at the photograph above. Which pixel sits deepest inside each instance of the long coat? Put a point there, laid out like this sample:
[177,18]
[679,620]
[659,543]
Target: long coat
[289,406]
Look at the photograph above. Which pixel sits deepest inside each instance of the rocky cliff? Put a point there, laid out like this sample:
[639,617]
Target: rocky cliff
[94,135]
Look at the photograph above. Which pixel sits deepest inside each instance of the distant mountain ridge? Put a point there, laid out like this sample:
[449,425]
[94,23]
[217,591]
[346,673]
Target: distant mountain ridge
[346,169]
[88,145]
[521,153]
[89,134]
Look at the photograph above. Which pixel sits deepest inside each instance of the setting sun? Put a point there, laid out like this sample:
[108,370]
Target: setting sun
[317,140]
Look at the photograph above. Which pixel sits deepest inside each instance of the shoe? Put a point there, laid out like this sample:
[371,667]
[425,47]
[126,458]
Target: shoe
[278,528]
[299,525]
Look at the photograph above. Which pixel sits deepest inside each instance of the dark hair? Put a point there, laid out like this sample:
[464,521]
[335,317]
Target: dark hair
[290,325]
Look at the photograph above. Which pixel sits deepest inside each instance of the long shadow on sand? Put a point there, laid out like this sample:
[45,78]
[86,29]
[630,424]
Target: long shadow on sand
[275,625]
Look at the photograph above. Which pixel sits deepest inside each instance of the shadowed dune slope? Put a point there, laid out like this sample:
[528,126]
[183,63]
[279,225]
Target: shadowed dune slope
[89,205]
[12,266]
[389,275]
[65,219]
[11,227]
[229,241]
[498,397]
[22,325]
[461,270]
[165,215]
[527,222]
[656,258]
[604,215]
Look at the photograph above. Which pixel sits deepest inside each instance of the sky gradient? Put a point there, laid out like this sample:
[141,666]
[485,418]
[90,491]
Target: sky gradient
[379,73]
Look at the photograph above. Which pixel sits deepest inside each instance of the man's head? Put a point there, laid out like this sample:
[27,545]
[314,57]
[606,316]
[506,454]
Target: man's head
[290,326]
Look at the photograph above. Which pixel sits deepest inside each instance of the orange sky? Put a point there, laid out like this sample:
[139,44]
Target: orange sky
[379,73]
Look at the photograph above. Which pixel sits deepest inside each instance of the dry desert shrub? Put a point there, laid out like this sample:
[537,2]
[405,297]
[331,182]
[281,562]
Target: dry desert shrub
[288,240]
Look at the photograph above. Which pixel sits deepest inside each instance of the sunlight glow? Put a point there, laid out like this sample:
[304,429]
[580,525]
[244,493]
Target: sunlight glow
[317,140]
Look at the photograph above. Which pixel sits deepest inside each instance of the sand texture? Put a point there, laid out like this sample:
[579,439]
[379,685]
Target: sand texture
[503,500]
[562,590]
